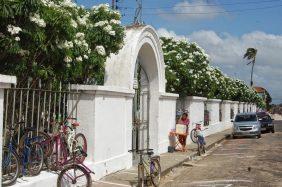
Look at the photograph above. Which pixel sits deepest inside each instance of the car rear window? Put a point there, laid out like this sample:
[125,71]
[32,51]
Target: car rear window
[242,118]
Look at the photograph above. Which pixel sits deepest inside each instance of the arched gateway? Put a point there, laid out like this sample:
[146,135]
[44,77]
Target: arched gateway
[132,109]
[139,66]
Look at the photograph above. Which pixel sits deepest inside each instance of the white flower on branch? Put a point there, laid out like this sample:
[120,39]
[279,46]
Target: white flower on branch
[73,23]
[79,59]
[114,21]
[17,38]
[113,33]
[36,19]
[13,29]
[101,50]
[101,23]
[108,28]
[68,59]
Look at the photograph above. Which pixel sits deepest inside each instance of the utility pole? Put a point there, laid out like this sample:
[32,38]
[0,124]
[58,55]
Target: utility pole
[138,13]
[113,4]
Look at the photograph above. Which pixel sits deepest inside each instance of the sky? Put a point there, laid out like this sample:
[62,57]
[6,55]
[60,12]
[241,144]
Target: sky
[224,28]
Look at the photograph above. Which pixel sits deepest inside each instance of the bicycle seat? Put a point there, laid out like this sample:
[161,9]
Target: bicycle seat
[75,124]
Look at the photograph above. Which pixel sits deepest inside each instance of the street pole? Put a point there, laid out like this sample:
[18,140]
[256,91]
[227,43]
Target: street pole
[113,5]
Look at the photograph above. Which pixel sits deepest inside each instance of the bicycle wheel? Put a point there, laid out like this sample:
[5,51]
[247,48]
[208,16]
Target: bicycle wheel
[10,167]
[199,149]
[155,172]
[193,136]
[59,156]
[74,175]
[35,159]
[141,178]
[43,138]
[80,147]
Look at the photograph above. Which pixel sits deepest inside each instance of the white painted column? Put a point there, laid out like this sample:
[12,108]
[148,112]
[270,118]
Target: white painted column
[213,107]
[236,107]
[5,82]
[241,106]
[167,114]
[226,104]
[195,106]
[105,116]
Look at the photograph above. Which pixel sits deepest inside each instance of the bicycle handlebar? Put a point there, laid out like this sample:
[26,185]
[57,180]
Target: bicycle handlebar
[140,151]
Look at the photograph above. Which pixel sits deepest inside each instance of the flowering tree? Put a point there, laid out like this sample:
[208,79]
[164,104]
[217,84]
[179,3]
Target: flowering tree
[56,39]
[189,73]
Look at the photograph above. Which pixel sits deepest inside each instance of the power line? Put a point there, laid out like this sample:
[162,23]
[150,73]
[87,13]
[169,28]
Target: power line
[204,5]
[218,12]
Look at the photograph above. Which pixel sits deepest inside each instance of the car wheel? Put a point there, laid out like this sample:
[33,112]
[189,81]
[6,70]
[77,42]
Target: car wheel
[259,136]
[234,137]
[272,130]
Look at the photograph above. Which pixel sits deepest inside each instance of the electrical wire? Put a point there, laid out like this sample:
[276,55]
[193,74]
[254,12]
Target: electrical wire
[216,12]
[203,5]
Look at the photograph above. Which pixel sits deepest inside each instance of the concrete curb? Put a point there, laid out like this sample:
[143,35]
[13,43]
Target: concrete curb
[193,155]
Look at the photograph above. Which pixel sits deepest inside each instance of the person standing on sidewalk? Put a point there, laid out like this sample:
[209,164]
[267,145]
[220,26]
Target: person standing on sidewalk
[184,120]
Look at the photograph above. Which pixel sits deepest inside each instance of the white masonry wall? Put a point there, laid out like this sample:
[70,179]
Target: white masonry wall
[195,106]
[105,116]
[213,107]
[241,106]
[167,113]
[226,110]
[235,106]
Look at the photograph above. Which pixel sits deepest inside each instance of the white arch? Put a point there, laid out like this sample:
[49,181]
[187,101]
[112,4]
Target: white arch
[120,67]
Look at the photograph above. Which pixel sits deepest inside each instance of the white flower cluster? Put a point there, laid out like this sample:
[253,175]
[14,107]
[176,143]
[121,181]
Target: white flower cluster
[106,27]
[36,19]
[68,3]
[114,21]
[80,40]
[83,20]
[66,45]
[101,50]
[67,59]
[73,23]
[104,6]
[13,30]
[101,23]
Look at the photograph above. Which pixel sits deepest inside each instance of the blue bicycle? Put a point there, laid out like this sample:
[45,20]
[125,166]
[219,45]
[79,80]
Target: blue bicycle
[30,159]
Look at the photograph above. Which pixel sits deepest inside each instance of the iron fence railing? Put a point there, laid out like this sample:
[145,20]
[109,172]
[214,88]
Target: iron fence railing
[38,107]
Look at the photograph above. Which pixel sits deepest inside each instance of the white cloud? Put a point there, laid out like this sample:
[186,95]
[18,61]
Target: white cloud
[226,51]
[193,10]
[170,34]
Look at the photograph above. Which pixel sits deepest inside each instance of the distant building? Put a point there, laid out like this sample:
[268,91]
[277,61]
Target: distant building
[261,91]
[264,95]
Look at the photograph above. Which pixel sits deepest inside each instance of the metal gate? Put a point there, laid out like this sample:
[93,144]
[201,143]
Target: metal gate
[140,128]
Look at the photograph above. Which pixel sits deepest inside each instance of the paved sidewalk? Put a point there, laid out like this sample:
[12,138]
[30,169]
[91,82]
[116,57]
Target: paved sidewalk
[169,161]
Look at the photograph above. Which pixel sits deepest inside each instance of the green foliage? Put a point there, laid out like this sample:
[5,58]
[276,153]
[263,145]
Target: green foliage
[189,73]
[57,40]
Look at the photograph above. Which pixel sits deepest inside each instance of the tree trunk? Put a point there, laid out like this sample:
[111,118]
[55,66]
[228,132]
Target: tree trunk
[253,64]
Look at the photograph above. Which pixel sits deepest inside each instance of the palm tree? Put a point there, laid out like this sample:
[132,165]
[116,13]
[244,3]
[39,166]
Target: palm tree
[251,55]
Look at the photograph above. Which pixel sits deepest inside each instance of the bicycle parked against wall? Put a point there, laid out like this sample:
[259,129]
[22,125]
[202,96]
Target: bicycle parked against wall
[75,173]
[149,170]
[65,143]
[30,157]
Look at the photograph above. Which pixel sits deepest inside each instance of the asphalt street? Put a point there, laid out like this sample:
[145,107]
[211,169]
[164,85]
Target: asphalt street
[236,162]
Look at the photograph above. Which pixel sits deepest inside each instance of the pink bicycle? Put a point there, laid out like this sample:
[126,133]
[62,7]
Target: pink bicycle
[65,143]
